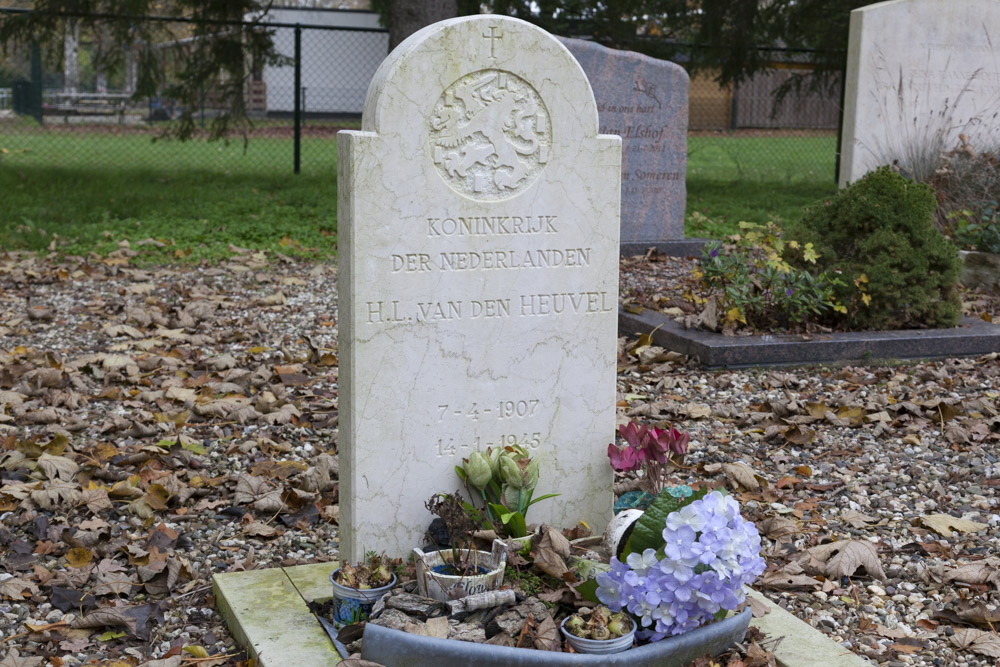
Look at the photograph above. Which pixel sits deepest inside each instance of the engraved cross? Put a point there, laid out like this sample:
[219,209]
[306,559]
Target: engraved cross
[493,37]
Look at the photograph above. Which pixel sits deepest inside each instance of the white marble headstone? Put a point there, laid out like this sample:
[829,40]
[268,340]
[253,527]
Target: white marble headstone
[478,219]
[916,68]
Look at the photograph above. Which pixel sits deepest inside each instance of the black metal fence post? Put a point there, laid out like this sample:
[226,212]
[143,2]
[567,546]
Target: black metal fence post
[840,124]
[297,94]
[37,101]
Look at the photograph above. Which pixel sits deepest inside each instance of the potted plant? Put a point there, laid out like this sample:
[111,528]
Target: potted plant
[450,574]
[601,631]
[654,452]
[356,588]
[685,564]
[504,479]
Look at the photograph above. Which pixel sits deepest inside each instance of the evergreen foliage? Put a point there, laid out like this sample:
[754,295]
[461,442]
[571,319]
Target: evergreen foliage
[879,235]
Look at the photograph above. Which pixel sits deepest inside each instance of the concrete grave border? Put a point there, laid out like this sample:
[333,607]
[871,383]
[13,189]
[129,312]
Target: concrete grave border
[972,337]
[267,613]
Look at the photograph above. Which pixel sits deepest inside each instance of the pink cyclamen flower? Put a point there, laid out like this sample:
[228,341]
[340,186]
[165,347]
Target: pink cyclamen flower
[679,441]
[634,434]
[623,459]
[657,445]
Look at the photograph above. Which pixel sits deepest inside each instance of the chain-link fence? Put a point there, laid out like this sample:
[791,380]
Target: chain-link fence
[780,125]
[59,107]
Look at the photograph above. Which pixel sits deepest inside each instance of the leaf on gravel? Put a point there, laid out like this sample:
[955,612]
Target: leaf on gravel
[257,491]
[130,618]
[14,659]
[857,519]
[46,416]
[697,410]
[115,330]
[844,558]
[977,641]
[58,467]
[68,600]
[777,526]
[17,589]
[172,661]
[781,580]
[181,394]
[547,635]
[740,475]
[799,435]
[944,524]
[113,583]
[11,397]
[955,434]
[979,572]
[79,556]
[260,529]
[96,500]
[57,493]
[854,415]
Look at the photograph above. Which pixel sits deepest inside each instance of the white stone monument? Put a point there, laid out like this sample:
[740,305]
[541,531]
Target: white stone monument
[919,73]
[478,215]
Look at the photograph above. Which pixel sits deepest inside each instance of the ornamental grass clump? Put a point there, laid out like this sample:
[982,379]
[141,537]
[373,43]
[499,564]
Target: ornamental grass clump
[896,271]
[693,572]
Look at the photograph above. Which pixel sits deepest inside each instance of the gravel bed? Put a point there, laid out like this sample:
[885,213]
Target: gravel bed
[202,401]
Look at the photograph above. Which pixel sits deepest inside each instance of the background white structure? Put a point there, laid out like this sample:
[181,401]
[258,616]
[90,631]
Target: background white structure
[337,65]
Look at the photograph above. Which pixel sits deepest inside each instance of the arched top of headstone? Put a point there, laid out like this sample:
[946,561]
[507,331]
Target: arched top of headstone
[491,77]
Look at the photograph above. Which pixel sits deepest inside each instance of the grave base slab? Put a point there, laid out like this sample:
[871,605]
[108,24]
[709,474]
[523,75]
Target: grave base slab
[713,350]
[266,611]
[674,248]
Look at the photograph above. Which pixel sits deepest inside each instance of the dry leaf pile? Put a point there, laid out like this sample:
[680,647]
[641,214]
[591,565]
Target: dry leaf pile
[158,426]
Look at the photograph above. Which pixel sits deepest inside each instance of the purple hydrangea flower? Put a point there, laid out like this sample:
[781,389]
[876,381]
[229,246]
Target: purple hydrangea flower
[710,554]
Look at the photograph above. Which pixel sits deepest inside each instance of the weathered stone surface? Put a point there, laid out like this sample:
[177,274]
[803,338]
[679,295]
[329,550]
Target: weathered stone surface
[466,632]
[645,102]
[512,620]
[416,606]
[980,270]
[479,224]
[919,72]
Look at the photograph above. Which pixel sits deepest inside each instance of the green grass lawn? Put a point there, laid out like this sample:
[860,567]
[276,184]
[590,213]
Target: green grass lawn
[758,179]
[93,190]
[197,197]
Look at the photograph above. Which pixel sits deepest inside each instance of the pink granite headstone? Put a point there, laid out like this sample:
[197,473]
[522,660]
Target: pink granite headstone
[645,102]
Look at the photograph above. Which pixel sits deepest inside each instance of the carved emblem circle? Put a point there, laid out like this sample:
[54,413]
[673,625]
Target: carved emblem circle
[490,135]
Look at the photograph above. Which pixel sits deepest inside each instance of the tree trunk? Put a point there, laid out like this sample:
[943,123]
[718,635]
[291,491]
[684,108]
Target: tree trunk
[71,57]
[408,16]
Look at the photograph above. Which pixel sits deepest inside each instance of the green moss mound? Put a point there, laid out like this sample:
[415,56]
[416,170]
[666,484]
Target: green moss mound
[879,234]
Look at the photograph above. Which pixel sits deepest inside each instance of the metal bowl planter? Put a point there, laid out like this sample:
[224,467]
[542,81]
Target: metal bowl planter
[395,648]
[353,605]
[445,587]
[598,646]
